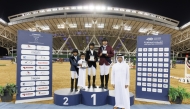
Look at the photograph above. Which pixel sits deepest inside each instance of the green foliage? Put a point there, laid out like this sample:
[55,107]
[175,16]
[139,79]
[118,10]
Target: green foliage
[178,92]
[9,88]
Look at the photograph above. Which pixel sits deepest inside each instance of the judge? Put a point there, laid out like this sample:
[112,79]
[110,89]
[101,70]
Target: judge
[120,81]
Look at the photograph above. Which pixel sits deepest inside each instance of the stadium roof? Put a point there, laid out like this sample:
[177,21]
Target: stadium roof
[75,26]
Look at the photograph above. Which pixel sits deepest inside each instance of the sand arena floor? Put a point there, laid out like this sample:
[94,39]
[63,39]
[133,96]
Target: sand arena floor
[61,78]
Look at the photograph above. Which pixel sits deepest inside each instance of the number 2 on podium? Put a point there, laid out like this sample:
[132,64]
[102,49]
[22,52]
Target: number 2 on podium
[94,98]
[66,100]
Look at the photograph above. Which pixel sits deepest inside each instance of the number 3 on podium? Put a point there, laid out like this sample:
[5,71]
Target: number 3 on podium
[94,98]
[66,100]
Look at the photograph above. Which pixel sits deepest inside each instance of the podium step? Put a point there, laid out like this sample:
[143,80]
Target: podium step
[111,98]
[63,97]
[94,96]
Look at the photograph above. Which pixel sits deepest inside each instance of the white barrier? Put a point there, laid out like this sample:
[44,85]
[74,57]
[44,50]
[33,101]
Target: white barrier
[186,79]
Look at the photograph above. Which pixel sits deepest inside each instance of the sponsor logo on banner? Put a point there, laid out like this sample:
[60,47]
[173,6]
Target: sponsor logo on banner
[154,79]
[139,59]
[42,83]
[144,69]
[160,85]
[34,78]
[149,54]
[154,85]
[42,72]
[159,80]
[42,62]
[143,79]
[27,89]
[155,60]
[143,89]
[139,74]
[150,49]
[144,49]
[42,58]
[25,46]
[150,64]
[155,49]
[166,54]
[165,85]
[149,39]
[138,83]
[149,59]
[28,57]
[43,47]
[138,78]
[42,67]
[27,67]
[148,89]
[154,90]
[27,62]
[35,52]
[41,93]
[27,83]
[27,94]
[154,64]
[144,74]
[160,64]
[159,74]
[139,49]
[139,64]
[154,74]
[160,49]
[166,49]
[144,54]
[25,73]
[149,74]
[143,84]
[149,79]
[139,54]
[149,84]
[159,90]
[42,88]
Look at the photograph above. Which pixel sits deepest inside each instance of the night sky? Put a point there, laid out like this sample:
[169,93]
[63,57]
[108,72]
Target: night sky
[175,9]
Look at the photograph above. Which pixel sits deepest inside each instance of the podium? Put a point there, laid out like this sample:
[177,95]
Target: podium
[94,96]
[111,98]
[63,97]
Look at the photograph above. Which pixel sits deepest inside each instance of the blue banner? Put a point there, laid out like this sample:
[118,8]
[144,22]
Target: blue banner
[153,68]
[34,66]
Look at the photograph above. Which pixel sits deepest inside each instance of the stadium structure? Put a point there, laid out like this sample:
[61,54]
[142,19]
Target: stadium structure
[77,26]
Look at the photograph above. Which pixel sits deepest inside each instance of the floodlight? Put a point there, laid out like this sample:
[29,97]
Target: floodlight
[45,28]
[184,26]
[32,29]
[60,26]
[42,11]
[98,8]
[100,25]
[73,25]
[103,8]
[85,7]
[88,25]
[48,10]
[146,14]
[143,30]
[133,11]
[152,15]
[67,8]
[109,8]
[73,8]
[127,28]
[60,8]
[91,7]
[115,27]
[155,32]
[79,7]
[116,9]
[140,12]
[35,12]
[122,10]
[128,10]
[54,9]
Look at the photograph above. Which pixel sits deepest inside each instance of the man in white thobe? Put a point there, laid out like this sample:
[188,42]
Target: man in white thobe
[120,82]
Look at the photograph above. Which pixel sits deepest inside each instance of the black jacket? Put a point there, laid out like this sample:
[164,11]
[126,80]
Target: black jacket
[87,57]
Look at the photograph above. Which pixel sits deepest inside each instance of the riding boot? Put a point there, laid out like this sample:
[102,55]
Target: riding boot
[88,81]
[72,81]
[102,81]
[76,83]
[94,79]
[106,81]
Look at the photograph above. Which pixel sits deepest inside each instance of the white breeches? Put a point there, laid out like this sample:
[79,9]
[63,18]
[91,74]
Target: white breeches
[74,74]
[92,70]
[104,69]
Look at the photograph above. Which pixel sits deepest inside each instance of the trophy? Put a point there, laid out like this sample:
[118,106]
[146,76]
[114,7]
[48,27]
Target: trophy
[84,64]
[104,52]
[91,58]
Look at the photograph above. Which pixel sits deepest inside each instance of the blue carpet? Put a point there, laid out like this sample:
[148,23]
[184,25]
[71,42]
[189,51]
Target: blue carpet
[52,106]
